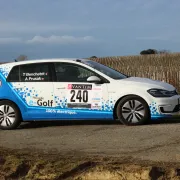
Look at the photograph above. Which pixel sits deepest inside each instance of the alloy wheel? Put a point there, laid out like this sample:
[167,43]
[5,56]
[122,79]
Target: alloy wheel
[133,111]
[7,115]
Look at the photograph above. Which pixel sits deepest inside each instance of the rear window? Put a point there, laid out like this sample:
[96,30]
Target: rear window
[30,73]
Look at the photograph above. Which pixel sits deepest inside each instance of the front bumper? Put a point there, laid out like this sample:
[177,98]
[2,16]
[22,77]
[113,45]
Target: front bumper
[165,107]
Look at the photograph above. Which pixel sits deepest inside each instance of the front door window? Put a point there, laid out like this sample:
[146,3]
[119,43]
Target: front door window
[71,73]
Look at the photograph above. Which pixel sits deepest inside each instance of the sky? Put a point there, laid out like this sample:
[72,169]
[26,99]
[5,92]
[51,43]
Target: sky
[84,28]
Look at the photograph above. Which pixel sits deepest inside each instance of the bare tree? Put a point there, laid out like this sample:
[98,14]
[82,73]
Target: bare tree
[164,51]
[21,58]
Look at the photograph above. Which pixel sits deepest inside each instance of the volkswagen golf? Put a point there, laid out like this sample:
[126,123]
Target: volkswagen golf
[80,89]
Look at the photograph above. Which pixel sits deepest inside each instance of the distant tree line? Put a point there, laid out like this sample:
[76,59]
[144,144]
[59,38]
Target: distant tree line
[144,52]
[154,51]
[149,51]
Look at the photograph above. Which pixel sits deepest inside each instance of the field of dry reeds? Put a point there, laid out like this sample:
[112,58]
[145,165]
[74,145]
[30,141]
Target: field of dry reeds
[159,67]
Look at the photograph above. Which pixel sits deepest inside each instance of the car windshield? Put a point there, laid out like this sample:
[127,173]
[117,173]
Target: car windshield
[105,70]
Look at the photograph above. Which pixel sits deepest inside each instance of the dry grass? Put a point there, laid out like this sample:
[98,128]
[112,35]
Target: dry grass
[36,165]
[160,67]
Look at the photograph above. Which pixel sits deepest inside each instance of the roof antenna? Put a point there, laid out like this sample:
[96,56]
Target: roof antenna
[15,60]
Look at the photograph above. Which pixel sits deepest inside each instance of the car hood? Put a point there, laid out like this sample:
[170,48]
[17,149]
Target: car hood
[149,83]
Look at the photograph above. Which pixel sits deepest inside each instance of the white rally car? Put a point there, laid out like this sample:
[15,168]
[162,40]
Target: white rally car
[80,89]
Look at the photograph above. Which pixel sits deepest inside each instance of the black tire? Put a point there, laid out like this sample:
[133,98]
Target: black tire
[10,116]
[139,116]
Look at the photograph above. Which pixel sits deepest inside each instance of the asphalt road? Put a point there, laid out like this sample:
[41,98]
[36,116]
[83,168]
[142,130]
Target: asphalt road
[155,142]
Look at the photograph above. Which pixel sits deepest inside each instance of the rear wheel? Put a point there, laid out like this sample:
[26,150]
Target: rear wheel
[133,110]
[10,117]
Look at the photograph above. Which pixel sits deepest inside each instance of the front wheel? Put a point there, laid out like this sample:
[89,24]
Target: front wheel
[10,117]
[133,110]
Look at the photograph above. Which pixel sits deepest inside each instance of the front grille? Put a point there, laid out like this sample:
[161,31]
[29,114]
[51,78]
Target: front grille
[176,109]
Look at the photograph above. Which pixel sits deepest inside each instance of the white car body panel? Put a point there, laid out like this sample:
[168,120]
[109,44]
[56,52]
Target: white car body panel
[102,98]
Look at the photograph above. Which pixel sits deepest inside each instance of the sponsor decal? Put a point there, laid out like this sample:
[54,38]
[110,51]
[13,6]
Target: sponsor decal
[48,103]
[81,96]
[98,89]
[69,86]
[66,112]
[60,111]
[78,105]
[80,86]
[96,99]
[96,106]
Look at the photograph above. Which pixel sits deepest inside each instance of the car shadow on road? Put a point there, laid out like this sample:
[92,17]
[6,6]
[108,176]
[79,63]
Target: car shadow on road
[29,125]
[165,121]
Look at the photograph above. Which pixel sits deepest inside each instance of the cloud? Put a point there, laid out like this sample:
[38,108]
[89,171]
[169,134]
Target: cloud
[49,40]
[10,40]
[60,39]
[24,27]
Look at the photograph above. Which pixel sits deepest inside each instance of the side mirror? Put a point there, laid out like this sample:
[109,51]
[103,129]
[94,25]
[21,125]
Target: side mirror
[94,79]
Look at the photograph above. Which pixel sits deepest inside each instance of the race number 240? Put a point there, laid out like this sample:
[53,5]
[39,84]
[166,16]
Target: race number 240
[80,95]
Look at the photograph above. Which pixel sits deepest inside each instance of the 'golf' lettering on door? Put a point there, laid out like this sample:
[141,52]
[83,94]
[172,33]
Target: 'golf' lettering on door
[45,103]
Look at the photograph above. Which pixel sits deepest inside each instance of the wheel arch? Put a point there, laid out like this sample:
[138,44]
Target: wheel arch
[116,104]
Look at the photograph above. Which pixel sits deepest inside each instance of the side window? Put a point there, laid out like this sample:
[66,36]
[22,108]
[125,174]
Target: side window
[35,73]
[30,73]
[72,73]
[14,75]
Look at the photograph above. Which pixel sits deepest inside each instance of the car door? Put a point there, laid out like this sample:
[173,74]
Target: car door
[33,87]
[76,98]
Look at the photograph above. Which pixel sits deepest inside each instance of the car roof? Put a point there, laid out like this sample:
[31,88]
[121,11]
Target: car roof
[43,60]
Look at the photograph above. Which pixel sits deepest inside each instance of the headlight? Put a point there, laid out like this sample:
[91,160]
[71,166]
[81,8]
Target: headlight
[162,93]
